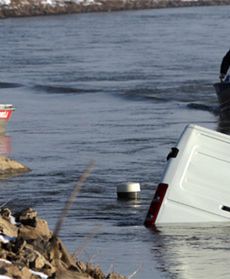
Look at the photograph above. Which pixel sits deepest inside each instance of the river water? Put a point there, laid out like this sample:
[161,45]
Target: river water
[117,88]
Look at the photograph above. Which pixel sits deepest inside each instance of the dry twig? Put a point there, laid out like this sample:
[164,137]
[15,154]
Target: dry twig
[135,272]
[71,198]
[87,239]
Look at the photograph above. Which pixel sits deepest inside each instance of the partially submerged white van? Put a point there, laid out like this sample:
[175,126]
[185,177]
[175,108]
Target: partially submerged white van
[195,186]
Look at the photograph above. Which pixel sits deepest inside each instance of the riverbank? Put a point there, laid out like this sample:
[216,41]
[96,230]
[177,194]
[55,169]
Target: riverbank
[22,8]
[29,250]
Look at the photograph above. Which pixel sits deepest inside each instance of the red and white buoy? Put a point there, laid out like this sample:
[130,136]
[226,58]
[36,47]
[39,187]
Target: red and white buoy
[6,111]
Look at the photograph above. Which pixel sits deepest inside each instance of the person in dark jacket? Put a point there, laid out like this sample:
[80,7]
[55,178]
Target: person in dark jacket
[225,64]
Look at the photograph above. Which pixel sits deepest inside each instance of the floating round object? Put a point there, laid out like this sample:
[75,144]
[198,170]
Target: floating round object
[129,191]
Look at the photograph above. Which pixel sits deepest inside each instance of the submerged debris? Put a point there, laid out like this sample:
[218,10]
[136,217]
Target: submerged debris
[29,250]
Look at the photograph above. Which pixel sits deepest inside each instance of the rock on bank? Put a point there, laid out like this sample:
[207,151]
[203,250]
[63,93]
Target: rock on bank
[16,8]
[9,166]
[29,250]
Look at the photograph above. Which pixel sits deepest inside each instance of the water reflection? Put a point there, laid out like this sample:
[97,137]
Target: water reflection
[5,144]
[193,252]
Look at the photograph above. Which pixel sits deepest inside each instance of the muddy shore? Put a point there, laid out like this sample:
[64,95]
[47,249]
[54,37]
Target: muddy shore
[22,8]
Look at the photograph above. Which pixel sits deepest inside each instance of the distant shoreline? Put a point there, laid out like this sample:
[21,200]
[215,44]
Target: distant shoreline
[22,8]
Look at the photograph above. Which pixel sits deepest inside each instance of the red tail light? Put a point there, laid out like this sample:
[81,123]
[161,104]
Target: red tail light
[155,205]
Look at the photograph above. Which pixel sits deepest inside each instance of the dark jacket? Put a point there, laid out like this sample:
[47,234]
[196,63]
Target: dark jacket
[225,63]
